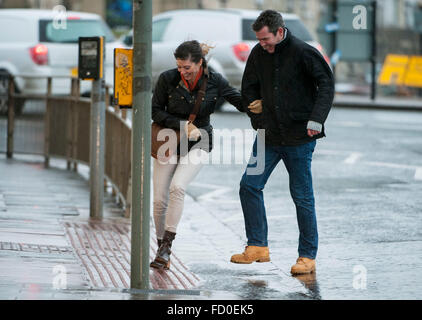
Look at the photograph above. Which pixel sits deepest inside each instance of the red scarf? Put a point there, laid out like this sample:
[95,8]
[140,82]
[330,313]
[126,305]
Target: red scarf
[191,87]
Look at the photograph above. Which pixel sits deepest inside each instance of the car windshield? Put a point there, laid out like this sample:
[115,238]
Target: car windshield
[72,30]
[296,27]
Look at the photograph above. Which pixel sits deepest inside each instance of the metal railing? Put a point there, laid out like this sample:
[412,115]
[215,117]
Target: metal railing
[67,134]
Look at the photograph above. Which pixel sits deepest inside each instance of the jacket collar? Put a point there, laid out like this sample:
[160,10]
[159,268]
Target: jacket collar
[287,36]
[279,46]
[179,82]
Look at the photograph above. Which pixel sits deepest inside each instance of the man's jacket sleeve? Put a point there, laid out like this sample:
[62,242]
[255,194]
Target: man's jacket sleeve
[319,70]
[230,94]
[251,89]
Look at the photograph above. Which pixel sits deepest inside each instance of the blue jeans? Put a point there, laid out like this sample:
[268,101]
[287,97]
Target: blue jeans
[297,160]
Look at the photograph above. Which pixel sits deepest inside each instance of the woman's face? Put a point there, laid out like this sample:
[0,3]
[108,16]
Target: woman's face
[188,68]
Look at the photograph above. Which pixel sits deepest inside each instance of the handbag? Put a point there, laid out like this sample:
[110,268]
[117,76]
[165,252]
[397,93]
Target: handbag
[156,128]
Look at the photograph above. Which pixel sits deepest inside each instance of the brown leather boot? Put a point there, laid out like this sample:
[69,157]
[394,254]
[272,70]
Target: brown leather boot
[167,266]
[162,259]
[303,265]
[252,254]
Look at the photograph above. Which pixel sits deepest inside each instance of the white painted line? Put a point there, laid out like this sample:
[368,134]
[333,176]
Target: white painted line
[390,165]
[348,124]
[353,158]
[418,170]
[239,217]
[206,185]
[213,194]
[221,201]
[235,217]
[330,152]
[404,127]
[418,174]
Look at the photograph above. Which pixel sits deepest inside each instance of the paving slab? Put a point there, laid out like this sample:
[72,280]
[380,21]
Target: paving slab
[51,249]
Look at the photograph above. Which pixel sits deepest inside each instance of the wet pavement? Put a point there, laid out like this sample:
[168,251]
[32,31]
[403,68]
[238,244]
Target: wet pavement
[51,249]
[367,179]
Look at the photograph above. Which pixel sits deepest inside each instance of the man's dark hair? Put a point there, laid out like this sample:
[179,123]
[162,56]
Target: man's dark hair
[190,50]
[270,18]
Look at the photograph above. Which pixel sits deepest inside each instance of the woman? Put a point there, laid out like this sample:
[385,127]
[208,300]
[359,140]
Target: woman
[172,102]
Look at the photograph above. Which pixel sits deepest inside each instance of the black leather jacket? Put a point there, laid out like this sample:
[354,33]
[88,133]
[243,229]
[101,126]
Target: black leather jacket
[173,103]
[295,84]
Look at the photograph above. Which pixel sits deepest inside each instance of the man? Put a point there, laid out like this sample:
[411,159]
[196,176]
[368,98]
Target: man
[289,89]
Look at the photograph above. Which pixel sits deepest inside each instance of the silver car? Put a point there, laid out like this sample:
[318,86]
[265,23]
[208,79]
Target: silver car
[31,44]
[229,30]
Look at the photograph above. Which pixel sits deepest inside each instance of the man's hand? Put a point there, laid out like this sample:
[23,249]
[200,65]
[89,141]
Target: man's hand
[312,133]
[255,106]
[192,132]
[313,128]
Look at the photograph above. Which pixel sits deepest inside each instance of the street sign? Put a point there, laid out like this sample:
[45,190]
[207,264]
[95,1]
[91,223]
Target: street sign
[393,70]
[418,18]
[414,72]
[123,77]
[348,26]
[354,37]
[401,70]
[335,57]
[331,27]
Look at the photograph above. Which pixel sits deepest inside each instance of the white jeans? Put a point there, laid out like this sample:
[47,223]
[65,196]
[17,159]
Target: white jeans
[170,182]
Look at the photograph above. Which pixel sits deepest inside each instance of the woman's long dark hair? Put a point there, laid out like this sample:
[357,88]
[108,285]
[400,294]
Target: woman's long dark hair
[192,50]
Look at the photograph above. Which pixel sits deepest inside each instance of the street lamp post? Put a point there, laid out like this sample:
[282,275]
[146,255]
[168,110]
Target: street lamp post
[141,143]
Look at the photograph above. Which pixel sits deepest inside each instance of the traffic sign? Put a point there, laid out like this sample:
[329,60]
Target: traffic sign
[401,70]
[123,76]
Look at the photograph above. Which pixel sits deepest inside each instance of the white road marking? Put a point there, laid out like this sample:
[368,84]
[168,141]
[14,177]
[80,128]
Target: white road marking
[213,194]
[418,174]
[418,170]
[347,124]
[330,152]
[390,165]
[354,156]
[206,185]
[218,191]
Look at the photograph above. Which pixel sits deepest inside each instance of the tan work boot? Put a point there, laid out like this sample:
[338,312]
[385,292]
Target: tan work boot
[252,254]
[303,265]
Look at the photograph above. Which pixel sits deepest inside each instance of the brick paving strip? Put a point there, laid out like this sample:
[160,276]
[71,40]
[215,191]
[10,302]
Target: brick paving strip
[104,250]
[29,247]
[44,223]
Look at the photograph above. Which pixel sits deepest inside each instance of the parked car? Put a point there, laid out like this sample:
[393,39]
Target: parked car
[32,44]
[229,30]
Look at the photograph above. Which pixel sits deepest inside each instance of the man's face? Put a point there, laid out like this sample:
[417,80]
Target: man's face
[267,39]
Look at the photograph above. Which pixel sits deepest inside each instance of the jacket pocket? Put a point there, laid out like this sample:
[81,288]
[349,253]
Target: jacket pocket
[297,128]
[257,121]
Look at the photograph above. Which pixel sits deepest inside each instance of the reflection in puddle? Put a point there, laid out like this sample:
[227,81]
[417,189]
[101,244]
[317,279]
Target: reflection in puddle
[310,282]
[258,283]
[255,289]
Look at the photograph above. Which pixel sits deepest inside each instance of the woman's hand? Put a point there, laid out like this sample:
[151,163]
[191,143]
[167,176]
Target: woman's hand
[192,132]
[255,106]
